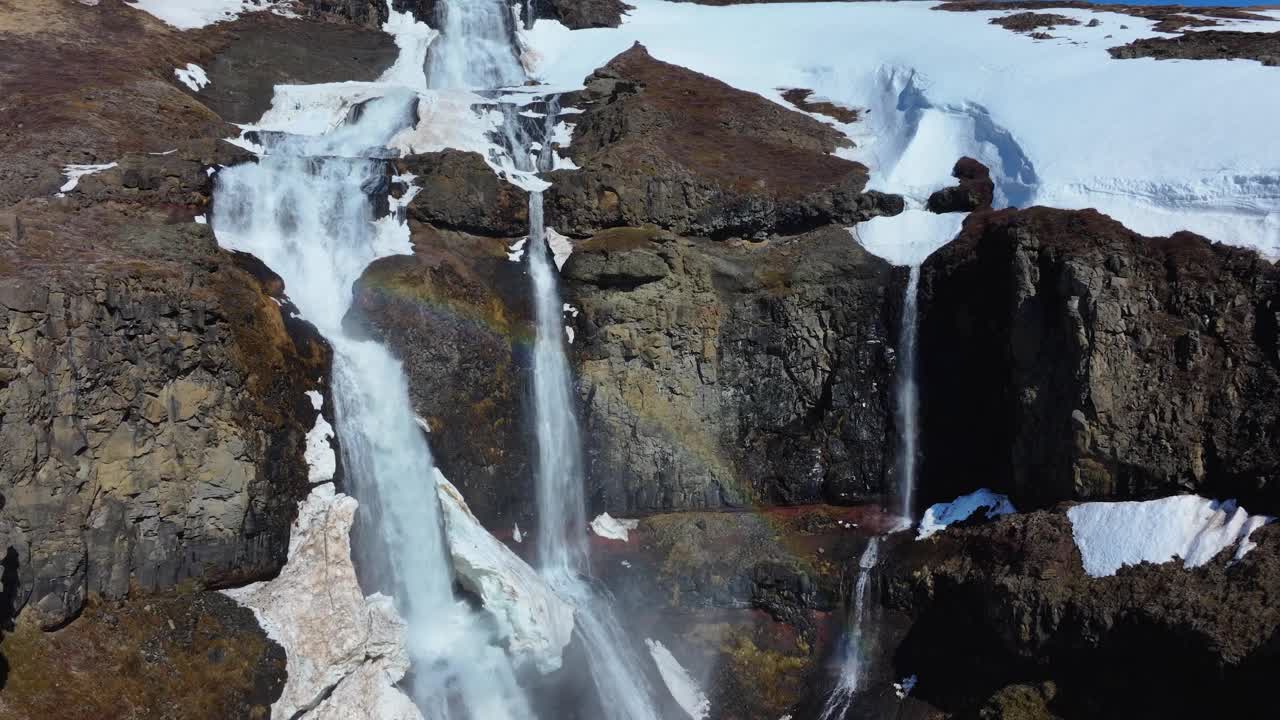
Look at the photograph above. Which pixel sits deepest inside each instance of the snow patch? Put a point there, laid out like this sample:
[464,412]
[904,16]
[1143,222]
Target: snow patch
[193,76]
[192,14]
[75,172]
[612,528]
[516,251]
[561,246]
[1111,535]
[910,236]
[322,463]
[200,220]
[940,515]
[683,687]
[535,623]
[903,687]
[516,534]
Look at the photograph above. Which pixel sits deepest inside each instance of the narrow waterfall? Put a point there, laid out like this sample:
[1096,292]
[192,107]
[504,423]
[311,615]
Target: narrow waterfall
[476,49]
[305,209]
[907,398]
[854,663]
[563,553]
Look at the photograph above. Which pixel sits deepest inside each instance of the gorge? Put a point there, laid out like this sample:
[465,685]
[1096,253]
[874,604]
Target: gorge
[655,360]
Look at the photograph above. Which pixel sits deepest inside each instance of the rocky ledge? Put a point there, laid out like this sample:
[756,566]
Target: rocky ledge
[659,144]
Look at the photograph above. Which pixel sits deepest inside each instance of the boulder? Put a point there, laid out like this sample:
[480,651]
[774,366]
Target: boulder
[719,375]
[730,163]
[1007,621]
[457,314]
[1063,356]
[974,191]
[153,394]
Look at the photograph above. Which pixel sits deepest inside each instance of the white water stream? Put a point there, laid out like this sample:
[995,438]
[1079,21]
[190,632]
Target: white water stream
[854,664]
[907,405]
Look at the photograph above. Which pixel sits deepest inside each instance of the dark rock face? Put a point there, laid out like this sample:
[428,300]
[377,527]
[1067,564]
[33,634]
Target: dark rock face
[457,315]
[718,375]
[368,13]
[1029,21]
[261,51]
[1206,45]
[460,192]
[974,191]
[153,407]
[1007,621]
[659,144]
[1066,357]
[581,14]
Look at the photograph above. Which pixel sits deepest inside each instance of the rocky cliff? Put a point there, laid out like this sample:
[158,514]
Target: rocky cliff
[1066,357]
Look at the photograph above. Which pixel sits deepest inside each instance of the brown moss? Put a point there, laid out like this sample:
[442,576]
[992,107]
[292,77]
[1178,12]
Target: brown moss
[185,655]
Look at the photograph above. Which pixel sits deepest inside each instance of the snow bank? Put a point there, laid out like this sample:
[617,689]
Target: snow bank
[193,76]
[322,463]
[612,528]
[1161,146]
[683,687]
[910,236]
[338,644]
[940,515]
[75,172]
[534,622]
[191,14]
[1111,535]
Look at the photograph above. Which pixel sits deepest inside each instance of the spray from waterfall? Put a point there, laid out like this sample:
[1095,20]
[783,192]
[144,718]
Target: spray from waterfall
[853,667]
[306,210]
[907,399]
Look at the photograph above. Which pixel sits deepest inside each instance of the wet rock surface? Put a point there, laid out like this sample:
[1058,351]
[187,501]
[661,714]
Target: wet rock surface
[659,144]
[716,375]
[457,315]
[460,192]
[1206,45]
[1008,624]
[1066,357]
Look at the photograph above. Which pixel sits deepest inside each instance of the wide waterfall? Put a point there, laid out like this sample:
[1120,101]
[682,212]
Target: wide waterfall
[305,209]
[907,400]
[476,48]
[853,666]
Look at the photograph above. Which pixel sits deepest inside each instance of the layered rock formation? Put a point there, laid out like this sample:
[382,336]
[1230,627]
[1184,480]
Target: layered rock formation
[1038,638]
[722,375]
[1066,357]
[728,163]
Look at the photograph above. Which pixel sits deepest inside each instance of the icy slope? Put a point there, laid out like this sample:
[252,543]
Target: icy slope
[1161,146]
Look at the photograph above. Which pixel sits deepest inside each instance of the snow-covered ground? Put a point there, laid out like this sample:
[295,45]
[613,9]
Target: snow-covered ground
[1160,145]
[1111,535]
[683,687]
[910,236]
[191,14]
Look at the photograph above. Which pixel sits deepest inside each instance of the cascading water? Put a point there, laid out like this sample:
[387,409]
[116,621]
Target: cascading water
[476,48]
[305,210]
[854,664]
[907,400]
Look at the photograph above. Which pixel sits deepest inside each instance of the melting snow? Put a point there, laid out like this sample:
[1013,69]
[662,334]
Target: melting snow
[191,14]
[683,687]
[75,172]
[909,237]
[613,528]
[193,76]
[940,515]
[516,251]
[903,687]
[561,246]
[201,220]
[319,453]
[1111,535]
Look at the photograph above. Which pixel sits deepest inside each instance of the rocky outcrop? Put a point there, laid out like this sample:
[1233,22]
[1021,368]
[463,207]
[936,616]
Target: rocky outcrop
[1029,21]
[1037,634]
[370,14]
[344,651]
[1167,18]
[460,192]
[154,415]
[457,314]
[974,191]
[582,14]
[720,375]
[1206,45]
[1066,357]
[731,163]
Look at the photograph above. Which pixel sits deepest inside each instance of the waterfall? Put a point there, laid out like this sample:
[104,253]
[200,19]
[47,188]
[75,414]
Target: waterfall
[907,398]
[854,663]
[305,210]
[563,553]
[476,48]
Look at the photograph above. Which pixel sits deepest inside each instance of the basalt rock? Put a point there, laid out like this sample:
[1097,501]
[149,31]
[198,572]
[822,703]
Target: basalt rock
[719,375]
[659,144]
[457,315]
[1206,45]
[582,14]
[369,13]
[1007,623]
[152,391]
[974,191]
[1066,357]
[460,192]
